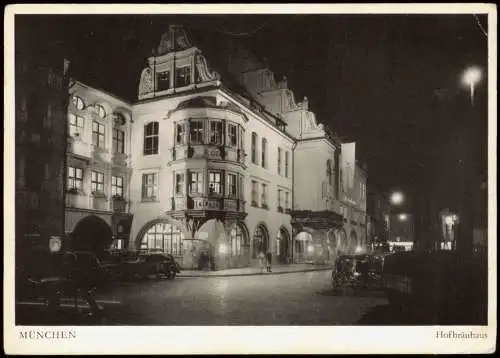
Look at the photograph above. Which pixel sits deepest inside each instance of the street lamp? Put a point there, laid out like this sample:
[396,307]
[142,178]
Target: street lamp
[397,198]
[470,78]
[403,217]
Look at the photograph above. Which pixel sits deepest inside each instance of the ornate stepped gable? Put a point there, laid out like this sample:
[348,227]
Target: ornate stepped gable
[174,49]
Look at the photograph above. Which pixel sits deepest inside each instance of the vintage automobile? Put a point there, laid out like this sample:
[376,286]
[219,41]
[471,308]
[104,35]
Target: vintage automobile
[54,275]
[358,271]
[128,264]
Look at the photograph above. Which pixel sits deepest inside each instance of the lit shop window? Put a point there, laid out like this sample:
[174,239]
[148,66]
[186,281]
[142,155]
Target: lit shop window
[165,237]
[151,131]
[149,186]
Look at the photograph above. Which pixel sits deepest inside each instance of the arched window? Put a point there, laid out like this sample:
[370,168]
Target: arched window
[165,237]
[260,241]
[237,240]
[101,112]
[151,131]
[78,102]
[254,147]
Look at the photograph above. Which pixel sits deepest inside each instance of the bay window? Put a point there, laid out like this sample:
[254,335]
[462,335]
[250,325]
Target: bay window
[196,132]
[232,131]
[231,185]
[214,183]
[195,182]
[216,132]
[179,183]
[97,182]
[180,133]
[117,186]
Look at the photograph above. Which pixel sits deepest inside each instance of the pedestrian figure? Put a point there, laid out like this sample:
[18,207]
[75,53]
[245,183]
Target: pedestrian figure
[269,258]
[262,257]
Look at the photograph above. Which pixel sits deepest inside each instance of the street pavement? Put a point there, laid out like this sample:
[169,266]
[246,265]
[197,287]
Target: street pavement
[300,298]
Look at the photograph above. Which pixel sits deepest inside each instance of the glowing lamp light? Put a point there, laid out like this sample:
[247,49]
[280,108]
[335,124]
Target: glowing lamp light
[222,248]
[310,248]
[470,78]
[403,217]
[358,249]
[397,198]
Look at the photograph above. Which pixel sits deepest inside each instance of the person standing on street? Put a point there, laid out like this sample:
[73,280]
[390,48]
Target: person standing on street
[262,257]
[269,258]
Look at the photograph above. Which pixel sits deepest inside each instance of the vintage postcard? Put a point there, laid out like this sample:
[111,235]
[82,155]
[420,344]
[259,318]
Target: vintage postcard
[237,179]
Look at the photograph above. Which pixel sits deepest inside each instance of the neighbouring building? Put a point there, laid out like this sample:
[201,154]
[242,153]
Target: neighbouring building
[97,214]
[40,105]
[377,211]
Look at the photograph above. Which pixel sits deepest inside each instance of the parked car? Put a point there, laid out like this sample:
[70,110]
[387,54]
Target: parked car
[358,271]
[142,264]
[52,276]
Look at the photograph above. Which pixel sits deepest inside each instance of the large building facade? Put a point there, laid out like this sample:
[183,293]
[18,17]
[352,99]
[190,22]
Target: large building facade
[211,170]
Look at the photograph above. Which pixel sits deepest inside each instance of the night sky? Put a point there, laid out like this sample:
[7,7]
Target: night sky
[388,82]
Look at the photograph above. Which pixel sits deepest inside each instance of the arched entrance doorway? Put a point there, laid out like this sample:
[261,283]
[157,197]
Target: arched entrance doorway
[302,247]
[282,246]
[353,241]
[260,241]
[342,244]
[92,234]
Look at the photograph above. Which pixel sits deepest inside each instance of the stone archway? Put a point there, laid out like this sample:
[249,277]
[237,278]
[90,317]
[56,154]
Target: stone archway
[353,240]
[92,233]
[260,240]
[342,243]
[283,244]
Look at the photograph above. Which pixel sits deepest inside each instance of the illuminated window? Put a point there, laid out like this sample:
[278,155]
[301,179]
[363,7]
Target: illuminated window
[182,76]
[163,81]
[196,182]
[237,240]
[214,183]
[100,111]
[179,183]
[97,182]
[254,148]
[231,185]
[78,102]
[151,131]
[118,141]
[75,178]
[116,186]
[165,237]
[98,138]
[232,135]
[180,133]
[279,161]
[264,153]
[149,186]
[264,195]
[196,132]
[255,199]
[215,132]
[76,124]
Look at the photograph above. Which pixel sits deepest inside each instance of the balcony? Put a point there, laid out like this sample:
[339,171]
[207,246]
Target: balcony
[120,159]
[101,154]
[99,202]
[204,203]
[77,200]
[210,152]
[119,204]
[78,147]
